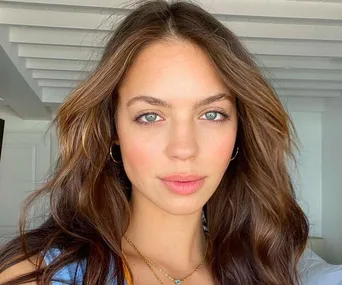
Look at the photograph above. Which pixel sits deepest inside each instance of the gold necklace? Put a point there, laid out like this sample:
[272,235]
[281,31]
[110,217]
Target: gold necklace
[143,258]
[150,262]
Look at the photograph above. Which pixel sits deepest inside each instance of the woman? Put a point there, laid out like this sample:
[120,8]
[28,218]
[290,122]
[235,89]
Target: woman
[172,166]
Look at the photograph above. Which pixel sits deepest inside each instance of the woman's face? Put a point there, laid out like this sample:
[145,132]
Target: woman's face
[180,136]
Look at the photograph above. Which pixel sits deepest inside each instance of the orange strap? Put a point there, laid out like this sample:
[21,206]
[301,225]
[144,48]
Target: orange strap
[127,275]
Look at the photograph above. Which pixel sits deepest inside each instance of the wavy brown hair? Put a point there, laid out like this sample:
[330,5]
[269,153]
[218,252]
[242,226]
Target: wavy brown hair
[257,231]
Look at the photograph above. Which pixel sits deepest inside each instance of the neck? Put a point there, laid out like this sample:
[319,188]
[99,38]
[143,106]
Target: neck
[177,241]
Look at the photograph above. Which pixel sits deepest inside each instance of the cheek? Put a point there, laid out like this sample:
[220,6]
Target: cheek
[139,156]
[138,151]
[220,153]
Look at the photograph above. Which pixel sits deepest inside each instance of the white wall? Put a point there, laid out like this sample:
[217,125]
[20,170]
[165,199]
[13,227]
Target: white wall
[307,117]
[25,160]
[332,180]
[308,180]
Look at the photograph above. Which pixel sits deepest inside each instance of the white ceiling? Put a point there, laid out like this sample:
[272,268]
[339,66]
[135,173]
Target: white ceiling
[54,44]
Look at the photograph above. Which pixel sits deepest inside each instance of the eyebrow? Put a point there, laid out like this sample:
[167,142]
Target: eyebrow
[161,103]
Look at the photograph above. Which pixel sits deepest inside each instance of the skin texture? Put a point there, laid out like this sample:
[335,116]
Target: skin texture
[21,268]
[164,225]
[180,139]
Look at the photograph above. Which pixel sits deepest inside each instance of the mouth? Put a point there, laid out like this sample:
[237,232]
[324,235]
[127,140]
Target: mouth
[183,187]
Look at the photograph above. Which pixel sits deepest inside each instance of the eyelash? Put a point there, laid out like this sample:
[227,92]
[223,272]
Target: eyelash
[225,116]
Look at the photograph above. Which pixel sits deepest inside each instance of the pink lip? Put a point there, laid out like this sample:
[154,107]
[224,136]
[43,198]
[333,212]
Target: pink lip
[183,187]
[183,178]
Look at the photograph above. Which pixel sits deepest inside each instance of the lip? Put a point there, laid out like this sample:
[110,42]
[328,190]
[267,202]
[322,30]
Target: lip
[182,177]
[183,185]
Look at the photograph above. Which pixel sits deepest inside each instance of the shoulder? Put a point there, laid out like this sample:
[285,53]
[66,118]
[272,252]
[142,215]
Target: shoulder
[72,272]
[19,269]
[69,274]
[314,270]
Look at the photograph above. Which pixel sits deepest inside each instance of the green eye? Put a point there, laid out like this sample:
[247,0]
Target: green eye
[211,116]
[150,118]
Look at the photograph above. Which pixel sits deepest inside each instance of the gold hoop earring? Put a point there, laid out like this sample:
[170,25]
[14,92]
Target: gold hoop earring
[237,151]
[111,155]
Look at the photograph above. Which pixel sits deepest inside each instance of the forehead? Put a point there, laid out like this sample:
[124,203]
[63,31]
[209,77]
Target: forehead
[172,68]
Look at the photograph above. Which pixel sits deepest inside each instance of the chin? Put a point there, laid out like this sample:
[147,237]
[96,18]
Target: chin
[181,208]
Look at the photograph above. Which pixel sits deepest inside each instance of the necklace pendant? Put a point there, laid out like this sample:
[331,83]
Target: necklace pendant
[178,282]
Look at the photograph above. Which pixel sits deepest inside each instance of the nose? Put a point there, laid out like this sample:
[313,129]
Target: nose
[182,144]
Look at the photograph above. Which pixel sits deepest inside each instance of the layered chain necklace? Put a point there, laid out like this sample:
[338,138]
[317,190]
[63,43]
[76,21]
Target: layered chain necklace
[150,263]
